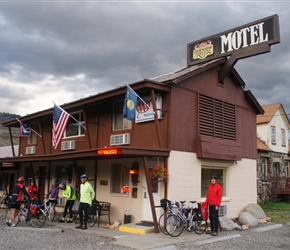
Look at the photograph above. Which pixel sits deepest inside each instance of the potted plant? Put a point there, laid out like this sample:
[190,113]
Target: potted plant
[158,172]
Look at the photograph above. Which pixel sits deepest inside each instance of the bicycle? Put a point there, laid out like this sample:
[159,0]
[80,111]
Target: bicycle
[48,209]
[4,206]
[189,218]
[163,219]
[36,220]
[93,214]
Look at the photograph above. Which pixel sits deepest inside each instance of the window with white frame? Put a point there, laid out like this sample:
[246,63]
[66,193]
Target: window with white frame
[119,179]
[119,122]
[206,173]
[286,169]
[75,127]
[264,168]
[283,137]
[273,134]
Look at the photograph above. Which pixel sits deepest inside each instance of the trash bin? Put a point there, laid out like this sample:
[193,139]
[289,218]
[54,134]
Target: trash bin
[127,218]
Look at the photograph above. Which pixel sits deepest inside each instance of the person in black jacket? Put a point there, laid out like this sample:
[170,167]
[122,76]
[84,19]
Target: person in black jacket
[14,204]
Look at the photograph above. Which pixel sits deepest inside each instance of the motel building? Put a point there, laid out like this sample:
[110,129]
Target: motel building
[201,121]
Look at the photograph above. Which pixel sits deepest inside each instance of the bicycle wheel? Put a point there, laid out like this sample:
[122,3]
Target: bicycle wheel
[174,225]
[199,225]
[39,219]
[92,220]
[8,217]
[162,222]
[50,214]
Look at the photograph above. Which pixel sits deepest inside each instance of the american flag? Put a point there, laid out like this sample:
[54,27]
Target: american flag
[60,120]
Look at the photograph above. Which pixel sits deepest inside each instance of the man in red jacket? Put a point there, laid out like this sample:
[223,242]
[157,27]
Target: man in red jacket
[213,200]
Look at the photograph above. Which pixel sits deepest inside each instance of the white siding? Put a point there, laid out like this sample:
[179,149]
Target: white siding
[185,180]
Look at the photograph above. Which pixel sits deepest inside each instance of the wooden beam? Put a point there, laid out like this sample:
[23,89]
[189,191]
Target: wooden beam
[150,193]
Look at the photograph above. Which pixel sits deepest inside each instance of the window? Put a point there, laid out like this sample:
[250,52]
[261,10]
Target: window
[273,134]
[276,169]
[216,118]
[287,169]
[33,136]
[119,179]
[264,168]
[119,122]
[206,173]
[283,137]
[75,128]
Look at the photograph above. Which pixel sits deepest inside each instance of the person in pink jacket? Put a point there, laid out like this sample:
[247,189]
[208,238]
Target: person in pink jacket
[213,200]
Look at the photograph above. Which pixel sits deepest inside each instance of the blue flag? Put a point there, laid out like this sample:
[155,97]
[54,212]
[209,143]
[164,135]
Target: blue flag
[130,103]
[25,130]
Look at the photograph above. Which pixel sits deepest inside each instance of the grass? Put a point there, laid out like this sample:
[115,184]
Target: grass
[279,212]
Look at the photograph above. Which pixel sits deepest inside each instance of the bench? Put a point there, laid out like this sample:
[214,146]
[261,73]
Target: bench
[104,210]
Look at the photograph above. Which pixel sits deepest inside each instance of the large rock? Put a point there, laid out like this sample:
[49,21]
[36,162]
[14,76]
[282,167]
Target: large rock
[255,210]
[228,224]
[247,218]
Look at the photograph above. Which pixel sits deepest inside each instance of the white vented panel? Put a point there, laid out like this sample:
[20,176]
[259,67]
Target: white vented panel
[67,145]
[122,139]
[30,150]
[223,210]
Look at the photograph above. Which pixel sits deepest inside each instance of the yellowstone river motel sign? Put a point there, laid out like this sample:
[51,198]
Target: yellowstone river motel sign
[241,42]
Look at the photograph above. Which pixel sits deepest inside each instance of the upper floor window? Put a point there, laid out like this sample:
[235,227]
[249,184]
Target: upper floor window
[273,134]
[75,128]
[216,118]
[119,122]
[32,139]
[283,137]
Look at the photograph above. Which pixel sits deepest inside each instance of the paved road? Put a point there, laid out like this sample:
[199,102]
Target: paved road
[65,237]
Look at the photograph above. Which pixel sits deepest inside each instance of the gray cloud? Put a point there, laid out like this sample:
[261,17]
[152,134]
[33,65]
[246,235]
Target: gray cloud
[62,51]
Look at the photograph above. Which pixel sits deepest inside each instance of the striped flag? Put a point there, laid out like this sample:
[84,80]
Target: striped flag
[59,123]
[25,130]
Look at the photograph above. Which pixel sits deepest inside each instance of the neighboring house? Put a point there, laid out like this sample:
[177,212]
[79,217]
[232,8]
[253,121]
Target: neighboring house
[273,151]
[203,127]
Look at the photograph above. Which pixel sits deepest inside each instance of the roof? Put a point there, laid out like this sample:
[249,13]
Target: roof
[6,151]
[262,145]
[270,111]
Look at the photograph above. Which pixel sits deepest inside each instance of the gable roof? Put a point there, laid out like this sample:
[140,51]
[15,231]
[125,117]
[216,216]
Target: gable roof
[270,111]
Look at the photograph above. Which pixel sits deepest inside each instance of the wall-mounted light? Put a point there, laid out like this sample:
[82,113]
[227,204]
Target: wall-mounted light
[134,172]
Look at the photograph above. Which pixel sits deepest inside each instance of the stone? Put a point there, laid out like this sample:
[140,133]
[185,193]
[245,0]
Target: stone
[228,224]
[255,210]
[247,218]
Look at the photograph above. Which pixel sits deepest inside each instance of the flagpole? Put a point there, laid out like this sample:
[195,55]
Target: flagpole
[140,98]
[30,129]
[71,116]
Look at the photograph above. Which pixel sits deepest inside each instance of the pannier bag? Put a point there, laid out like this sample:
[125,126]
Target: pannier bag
[203,210]
[164,203]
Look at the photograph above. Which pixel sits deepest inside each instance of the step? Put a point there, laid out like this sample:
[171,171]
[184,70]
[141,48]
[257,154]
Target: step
[136,228]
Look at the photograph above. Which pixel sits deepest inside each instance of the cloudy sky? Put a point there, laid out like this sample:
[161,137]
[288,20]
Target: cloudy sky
[61,51]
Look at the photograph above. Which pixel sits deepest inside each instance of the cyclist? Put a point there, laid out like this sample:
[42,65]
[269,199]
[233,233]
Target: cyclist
[70,196]
[14,204]
[53,196]
[87,194]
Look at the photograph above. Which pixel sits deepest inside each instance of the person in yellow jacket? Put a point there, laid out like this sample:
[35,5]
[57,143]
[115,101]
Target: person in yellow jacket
[87,194]
[69,194]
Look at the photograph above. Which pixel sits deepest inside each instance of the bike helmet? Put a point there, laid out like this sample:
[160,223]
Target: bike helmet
[84,176]
[62,186]
[21,179]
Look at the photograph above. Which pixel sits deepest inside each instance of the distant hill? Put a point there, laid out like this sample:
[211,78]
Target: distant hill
[4,132]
